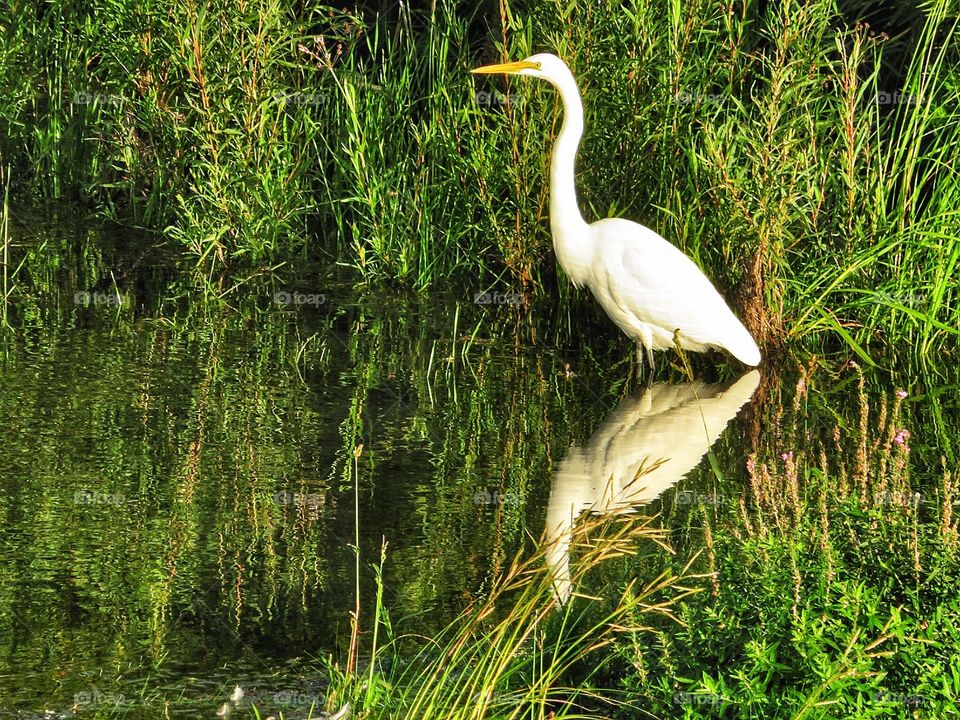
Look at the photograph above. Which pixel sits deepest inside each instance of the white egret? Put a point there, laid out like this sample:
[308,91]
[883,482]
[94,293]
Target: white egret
[649,288]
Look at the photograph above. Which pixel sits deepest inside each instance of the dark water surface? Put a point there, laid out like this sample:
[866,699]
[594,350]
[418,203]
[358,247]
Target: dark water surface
[178,472]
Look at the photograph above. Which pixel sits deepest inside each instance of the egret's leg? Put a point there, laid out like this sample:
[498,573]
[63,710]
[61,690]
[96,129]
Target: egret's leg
[640,371]
[644,339]
[653,366]
[641,347]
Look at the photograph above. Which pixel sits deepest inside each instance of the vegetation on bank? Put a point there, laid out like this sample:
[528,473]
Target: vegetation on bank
[836,579]
[802,157]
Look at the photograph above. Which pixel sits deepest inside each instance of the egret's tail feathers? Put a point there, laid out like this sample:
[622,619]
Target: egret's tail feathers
[743,347]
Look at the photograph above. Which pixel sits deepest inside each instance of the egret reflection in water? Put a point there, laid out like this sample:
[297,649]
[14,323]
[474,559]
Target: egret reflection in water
[643,448]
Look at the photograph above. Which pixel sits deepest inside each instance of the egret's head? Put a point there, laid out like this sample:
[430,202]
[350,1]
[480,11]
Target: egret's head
[543,65]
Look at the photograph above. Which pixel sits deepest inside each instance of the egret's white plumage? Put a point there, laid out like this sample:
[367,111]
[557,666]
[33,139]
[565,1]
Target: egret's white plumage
[649,288]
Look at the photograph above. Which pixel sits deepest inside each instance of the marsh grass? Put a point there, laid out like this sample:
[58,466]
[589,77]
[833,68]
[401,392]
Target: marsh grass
[827,590]
[513,651]
[5,237]
[517,652]
[802,158]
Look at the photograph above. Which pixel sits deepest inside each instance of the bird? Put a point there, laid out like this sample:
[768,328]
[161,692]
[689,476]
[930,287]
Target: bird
[650,289]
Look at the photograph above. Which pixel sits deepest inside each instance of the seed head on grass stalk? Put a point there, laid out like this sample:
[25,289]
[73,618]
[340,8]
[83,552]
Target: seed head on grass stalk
[520,653]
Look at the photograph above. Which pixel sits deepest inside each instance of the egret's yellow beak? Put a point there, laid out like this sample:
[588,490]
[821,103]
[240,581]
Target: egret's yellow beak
[510,68]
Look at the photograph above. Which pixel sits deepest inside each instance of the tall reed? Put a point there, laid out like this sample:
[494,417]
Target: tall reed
[800,156]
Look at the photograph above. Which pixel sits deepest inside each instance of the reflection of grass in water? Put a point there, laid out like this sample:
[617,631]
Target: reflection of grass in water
[201,419]
[836,582]
[5,237]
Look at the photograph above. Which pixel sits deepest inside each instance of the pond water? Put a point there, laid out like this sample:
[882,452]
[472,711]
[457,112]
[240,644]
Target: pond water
[183,477]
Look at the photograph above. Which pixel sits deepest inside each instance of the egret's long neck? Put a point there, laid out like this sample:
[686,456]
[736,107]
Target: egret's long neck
[571,236]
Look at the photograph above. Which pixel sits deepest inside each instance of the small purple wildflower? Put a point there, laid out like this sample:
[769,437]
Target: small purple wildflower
[901,437]
[901,394]
[787,456]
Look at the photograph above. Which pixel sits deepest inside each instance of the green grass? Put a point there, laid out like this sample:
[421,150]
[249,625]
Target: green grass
[803,159]
[514,653]
[829,589]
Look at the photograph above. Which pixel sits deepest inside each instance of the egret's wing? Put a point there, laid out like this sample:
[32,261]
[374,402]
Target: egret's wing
[645,276]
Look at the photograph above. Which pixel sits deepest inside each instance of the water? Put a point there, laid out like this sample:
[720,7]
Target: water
[179,473]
